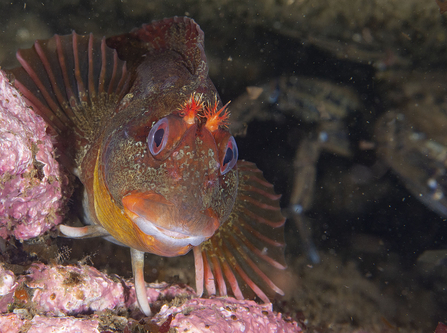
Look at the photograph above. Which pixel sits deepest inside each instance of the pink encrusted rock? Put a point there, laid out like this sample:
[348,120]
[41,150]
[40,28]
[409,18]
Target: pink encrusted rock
[225,315]
[31,188]
[69,290]
[13,323]
[7,281]
[8,284]
[53,293]
[63,325]
[61,290]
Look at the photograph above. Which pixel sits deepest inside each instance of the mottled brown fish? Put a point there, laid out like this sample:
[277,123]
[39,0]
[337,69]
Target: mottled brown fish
[138,120]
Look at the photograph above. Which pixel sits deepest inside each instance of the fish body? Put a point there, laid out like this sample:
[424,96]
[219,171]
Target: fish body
[138,120]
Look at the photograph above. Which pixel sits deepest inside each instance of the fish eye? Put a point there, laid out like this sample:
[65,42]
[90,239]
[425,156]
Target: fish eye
[158,136]
[230,157]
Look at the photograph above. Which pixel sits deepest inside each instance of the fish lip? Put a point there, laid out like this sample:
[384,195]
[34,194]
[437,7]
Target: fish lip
[152,213]
[169,237]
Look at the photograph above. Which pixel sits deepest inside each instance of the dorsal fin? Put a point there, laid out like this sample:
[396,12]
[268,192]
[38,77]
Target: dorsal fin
[180,34]
[73,82]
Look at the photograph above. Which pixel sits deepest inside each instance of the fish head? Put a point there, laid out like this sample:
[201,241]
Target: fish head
[180,182]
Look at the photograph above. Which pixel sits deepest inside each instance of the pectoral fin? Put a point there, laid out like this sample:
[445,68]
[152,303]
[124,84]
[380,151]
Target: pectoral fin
[248,249]
[140,285]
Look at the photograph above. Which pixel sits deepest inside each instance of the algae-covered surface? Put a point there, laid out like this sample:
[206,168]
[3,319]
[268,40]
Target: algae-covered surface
[349,126]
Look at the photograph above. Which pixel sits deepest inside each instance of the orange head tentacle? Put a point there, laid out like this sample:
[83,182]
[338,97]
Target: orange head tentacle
[216,119]
[190,109]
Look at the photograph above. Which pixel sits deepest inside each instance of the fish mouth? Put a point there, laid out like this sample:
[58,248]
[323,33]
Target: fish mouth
[168,237]
[157,217]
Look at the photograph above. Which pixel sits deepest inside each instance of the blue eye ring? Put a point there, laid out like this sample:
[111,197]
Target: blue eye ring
[158,136]
[230,157]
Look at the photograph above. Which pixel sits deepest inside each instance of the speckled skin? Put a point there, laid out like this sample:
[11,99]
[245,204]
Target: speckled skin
[32,186]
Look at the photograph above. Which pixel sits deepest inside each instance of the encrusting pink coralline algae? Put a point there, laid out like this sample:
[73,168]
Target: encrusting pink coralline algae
[47,298]
[31,184]
[225,315]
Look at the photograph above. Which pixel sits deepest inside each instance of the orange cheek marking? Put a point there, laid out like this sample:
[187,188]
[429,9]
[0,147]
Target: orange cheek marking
[147,205]
[135,198]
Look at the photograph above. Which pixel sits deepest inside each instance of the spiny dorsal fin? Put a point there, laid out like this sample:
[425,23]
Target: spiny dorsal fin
[73,82]
[180,34]
[248,249]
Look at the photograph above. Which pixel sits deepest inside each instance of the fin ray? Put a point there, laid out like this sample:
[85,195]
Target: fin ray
[219,278]
[245,277]
[210,284]
[72,81]
[249,247]
[198,264]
